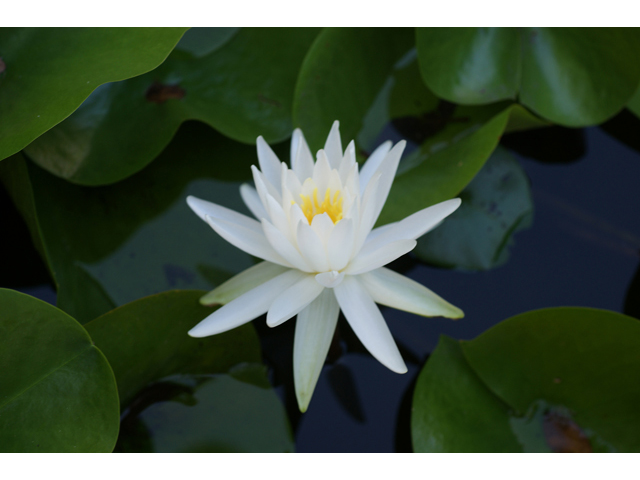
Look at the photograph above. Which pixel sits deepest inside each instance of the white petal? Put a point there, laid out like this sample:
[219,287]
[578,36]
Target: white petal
[252,200]
[323,226]
[368,212]
[301,158]
[269,163]
[283,247]
[397,291]
[348,161]
[246,307]
[340,244]
[415,225]
[264,187]
[293,299]
[388,173]
[312,248]
[202,208]
[370,259]
[278,217]
[329,279]
[242,283]
[315,327]
[373,163]
[247,239]
[333,146]
[368,324]
[321,172]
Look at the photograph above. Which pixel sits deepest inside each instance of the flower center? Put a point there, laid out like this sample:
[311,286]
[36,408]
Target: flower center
[331,205]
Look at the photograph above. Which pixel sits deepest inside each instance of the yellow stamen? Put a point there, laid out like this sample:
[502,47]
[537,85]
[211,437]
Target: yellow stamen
[331,206]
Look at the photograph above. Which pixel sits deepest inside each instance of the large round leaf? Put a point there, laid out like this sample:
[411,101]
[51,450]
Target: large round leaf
[57,391]
[453,411]
[571,76]
[495,205]
[579,365]
[46,73]
[239,83]
[238,412]
[147,339]
[108,246]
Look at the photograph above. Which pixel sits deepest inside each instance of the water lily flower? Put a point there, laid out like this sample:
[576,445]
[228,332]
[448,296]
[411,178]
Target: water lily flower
[314,231]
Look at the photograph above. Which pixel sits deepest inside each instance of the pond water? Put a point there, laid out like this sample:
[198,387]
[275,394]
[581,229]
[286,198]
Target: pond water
[581,250]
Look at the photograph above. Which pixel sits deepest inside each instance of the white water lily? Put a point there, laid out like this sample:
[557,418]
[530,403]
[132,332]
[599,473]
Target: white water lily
[314,231]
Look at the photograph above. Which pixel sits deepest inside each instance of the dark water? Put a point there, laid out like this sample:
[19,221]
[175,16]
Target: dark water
[582,250]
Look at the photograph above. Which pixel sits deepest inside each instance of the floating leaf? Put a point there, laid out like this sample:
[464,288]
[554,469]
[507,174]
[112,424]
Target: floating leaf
[453,411]
[580,364]
[239,412]
[48,72]
[108,246]
[57,391]
[225,78]
[496,204]
[147,339]
[571,76]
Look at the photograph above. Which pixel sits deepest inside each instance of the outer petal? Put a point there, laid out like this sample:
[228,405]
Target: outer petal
[388,173]
[242,283]
[284,248]
[269,163]
[329,279]
[202,208]
[246,307]
[252,200]
[301,158]
[333,146]
[247,238]
[314,331]
[368,324]
[293,300]
[397,291]
[373,163]
[415,225]
[368,259]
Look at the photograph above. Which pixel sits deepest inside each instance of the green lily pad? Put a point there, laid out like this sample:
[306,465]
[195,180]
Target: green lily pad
[236,412]
[634,103]
[57,391]
[147,339]
[579,366]
[495,205]
[453,411]
[571,76]
[108,246]
[46,73]
[239,82]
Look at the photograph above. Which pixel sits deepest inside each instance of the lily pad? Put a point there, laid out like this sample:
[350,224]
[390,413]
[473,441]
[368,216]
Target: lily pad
[46,73]
[223,77]
[453,411]
[58,393]
[571,76]
[147,339]
[495,205]
[580,364]
[108,246]
[237,412]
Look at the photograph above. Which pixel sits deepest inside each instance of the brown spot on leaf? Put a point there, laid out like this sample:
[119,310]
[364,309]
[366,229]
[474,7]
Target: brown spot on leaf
[419,128]
[159,93]
[3,66]
[269,101]
[563,435]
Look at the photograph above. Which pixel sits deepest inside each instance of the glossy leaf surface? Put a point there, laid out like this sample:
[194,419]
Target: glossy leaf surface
[581,361]
[57,391]
[147,339]
[571,76]
[236,412]
[453,411]
[495,205]
[239,82]
[110,245]
[48,72]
